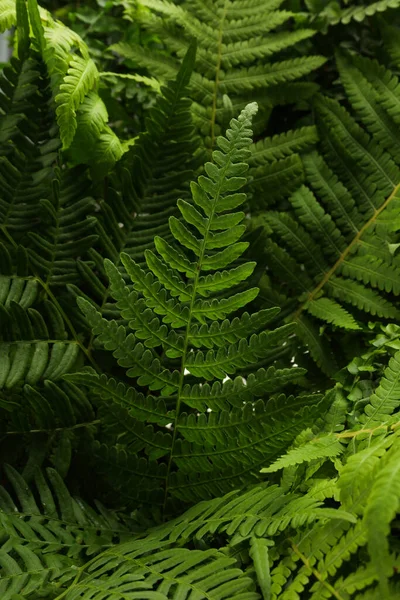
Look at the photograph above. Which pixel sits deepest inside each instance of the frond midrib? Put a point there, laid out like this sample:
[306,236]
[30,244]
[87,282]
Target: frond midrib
[312,295]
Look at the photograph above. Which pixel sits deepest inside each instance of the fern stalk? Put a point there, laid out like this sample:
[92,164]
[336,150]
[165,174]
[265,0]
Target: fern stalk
[312,295]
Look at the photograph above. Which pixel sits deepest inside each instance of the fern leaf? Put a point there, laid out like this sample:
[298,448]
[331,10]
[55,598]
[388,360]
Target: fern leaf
[260,557]
[359,13]
[261,77]
[81,77]
[165,310]
[282,145]
[322,447]
[233,43]
[330,311]
[143,408]
[357,475]
[8,14]
[335,232]
[385,400]
[382,506]
[153,572]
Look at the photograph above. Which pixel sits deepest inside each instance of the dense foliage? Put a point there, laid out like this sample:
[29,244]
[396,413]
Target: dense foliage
[199,281]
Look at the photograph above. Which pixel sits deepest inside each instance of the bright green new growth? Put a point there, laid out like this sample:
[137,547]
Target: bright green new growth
[177,340]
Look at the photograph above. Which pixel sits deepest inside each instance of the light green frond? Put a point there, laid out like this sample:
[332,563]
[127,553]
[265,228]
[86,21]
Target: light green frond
[263,511]
[149,81]
[359,13]
[7,15]
[358,474]
[148,571]
[386,398]
[80,79]
[382,506]
[328,446]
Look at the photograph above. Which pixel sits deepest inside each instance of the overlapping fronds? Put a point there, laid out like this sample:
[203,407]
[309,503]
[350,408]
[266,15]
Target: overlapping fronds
[166,390]
[314,563]
[46,534]
[335,249]
[25,141]
[235,48]
[325,532]
[74,80]
[43,206]
[143,193]
[180,339]
[244,54]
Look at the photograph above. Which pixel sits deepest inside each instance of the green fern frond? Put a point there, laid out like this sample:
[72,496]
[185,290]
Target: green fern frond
[7,15]
[262,511]
[25,120]
[283,145]
[386,398]
[335,240]
[234,43]
[238,60]
[147,570]
[172,315]
[321,447]
[131,222]
[69,230]
[29,351]
[47,534]
[358,13]
[79,80]
[382,507]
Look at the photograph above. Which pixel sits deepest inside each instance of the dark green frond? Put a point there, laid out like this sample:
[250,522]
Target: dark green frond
[176,335]
[335,241]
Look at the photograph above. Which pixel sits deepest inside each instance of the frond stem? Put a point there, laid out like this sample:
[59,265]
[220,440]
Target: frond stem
[187,332]
[346,252]
[315,572]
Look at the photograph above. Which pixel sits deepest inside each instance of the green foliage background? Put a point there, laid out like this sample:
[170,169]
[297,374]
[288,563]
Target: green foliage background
[199,282]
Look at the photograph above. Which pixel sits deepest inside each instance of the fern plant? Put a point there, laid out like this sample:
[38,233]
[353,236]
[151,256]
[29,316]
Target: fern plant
[322,526]
[166,390]
[235,43]
[136,208]
[81,113]
[180,344]
[335,250]
[46,223]
[246,51]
